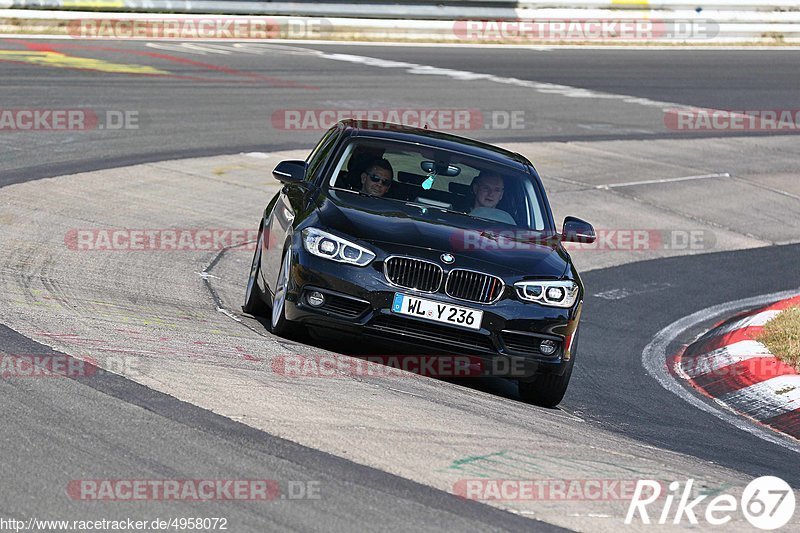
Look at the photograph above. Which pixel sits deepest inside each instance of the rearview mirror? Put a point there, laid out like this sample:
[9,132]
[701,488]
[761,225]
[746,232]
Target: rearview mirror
[577,230]
[290,171]
[440,169]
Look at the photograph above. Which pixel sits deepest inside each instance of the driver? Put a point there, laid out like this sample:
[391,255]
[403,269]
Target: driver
[488,189]
[377,178]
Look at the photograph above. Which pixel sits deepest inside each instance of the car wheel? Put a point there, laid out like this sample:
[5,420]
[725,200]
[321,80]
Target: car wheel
[547,390]
[280,325]
[254,296]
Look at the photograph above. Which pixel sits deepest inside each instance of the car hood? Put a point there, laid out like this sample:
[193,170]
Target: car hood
[396,227]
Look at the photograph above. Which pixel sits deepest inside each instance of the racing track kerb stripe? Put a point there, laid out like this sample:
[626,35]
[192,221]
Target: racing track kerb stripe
[753,382]
[654,360]
[733,378]
[726,356]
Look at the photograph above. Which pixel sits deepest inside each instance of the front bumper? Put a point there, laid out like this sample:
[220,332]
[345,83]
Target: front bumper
[359,299]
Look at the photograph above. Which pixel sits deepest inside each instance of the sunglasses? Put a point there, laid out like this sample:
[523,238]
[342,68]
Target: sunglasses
[383,181]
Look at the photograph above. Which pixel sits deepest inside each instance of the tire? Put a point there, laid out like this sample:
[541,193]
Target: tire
[280,325]
[547,390]
[254,297]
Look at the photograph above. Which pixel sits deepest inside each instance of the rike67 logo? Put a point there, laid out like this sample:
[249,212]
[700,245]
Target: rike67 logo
[767,502]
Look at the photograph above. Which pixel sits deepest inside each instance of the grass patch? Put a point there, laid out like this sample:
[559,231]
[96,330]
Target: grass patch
[782,336]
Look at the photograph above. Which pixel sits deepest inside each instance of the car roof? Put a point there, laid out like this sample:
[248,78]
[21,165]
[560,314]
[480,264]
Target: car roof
[437,139]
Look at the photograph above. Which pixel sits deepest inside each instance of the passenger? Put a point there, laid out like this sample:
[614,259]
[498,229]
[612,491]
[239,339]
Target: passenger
[488,189]
[377,178]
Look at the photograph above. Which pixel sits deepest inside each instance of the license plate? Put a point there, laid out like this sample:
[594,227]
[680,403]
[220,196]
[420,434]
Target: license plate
[404,304]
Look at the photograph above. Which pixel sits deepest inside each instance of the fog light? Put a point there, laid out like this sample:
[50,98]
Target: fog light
[548,347]
[315,299]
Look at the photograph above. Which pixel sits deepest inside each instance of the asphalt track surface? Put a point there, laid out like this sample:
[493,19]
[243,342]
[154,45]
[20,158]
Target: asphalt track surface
[213,103]
[62,430]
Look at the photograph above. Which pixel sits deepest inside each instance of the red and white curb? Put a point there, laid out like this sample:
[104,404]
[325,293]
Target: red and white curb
[728,365]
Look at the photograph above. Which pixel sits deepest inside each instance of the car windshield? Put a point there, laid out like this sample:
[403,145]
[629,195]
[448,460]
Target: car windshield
[439,179]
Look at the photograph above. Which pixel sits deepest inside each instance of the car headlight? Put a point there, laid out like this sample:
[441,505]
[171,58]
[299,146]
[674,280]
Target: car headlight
[324,244]
[552,293]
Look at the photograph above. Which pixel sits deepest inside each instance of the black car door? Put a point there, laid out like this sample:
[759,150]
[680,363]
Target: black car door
[290,203]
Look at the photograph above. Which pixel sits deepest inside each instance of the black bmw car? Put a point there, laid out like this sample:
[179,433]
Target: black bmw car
[426,240]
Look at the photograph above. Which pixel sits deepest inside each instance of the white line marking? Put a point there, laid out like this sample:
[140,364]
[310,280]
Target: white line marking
[619,294]
[228,314]
[194,48]
[665,180]
[253,48]
[767,188]
[567,91]
[465,75]
[211,48]
[175,47]
[405,392]
[749,321]
[548,47]
[654,360]
[769,398]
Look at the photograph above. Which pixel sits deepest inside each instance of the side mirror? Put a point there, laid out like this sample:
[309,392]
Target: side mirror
[577,230]
[290,172]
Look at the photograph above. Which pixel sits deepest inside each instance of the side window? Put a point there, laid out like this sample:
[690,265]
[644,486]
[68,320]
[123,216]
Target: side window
[320,153]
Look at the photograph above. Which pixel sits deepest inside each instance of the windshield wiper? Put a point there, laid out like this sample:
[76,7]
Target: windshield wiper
[362,193]
[437,208]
